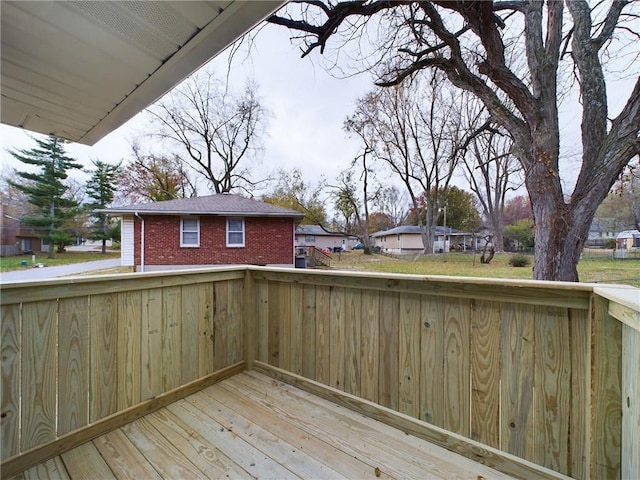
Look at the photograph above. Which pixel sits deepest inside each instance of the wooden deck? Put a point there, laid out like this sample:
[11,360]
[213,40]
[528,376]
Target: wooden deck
[251,426]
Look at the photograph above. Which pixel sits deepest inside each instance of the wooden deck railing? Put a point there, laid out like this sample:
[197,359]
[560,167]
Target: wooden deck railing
[543,371]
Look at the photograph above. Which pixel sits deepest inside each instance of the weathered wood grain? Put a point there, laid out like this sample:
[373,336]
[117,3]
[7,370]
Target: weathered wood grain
[552,379]
[370,345]
[234,347]
[190,334]
[51,470]
[10,351]
[151,344]
[171,338]
[409,354]
[516,416]
[606,409]
[323,334]
[295,328]
[485,372]
[103,392]
[336,337]
[73,364]
[388,380]
[39,373]
[309,332]
[86,463]
[275,324]
[457,363]
[123,458]
[128,345]
[261,288]
[580,421]
[352,340]
[432,361]
[284,313]
[630,403]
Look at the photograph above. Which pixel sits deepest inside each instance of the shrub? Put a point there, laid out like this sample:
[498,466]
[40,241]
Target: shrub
[519,260]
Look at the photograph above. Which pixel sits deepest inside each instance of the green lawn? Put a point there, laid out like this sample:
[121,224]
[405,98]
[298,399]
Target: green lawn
[593,268]
[15,263]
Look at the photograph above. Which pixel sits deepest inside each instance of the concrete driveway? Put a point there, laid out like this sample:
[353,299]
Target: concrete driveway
[44,273]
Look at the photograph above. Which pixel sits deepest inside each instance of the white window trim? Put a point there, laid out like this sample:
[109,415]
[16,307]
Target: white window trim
[189,245]
[235,245]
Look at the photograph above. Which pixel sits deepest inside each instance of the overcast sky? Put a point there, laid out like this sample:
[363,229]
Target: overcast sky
[307,105]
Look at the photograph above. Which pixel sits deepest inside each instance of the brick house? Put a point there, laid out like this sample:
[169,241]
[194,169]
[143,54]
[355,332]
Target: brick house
[222,229]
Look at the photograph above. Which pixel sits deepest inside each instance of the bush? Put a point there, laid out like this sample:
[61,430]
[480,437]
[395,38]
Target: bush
[519,260]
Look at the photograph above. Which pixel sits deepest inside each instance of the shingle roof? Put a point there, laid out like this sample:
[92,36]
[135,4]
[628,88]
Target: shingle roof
[221,204]
[403,229]
[317,230]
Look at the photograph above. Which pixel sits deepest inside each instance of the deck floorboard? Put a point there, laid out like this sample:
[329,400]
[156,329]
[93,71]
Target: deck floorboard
[251,426]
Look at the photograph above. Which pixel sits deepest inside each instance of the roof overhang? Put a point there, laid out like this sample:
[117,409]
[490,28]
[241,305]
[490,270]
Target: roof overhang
[79,70]
[188,213]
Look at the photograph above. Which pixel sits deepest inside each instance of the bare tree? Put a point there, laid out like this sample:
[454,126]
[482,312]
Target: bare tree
[392,203]
[218,131]
[492,172]
[411,129]
[468,41]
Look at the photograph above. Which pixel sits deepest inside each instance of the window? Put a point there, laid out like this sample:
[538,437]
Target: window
[235,232]
[190,232]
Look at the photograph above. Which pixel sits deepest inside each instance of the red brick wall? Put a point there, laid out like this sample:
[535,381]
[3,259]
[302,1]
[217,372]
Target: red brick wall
[267,241]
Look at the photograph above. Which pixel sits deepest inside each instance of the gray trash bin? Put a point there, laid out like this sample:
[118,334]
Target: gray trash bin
[301,262]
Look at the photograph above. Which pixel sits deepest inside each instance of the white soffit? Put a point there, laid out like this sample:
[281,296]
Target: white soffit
[80,69]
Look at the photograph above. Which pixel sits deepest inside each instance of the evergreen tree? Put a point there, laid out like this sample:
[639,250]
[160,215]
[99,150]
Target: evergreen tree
[47,191]
[100,188]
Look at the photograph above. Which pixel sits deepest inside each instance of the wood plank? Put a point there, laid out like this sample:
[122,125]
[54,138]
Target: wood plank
[205,329]
[409,354]
[10,351]
[432,361]
[256,427]
[309,332]
[165,458]
[275,324]
[171,354]
[483,454]
[39,373]
[370,345]
[630,403]
[485,372]
[296,308]
[190,339]
[51,469]
[129,338]
[151,344]
[393,451]
[234,347]
[552,380]
[249,319]
[284,313]
[246,456]
[323,334]
[516,416]
[103,329]
[336,338]
[202,453]
[389,350]
[352,340]
[606,388]
[262,320]
[86,463]
[71,440]
[457,363]
[73,364]
[123,458]
[579,426]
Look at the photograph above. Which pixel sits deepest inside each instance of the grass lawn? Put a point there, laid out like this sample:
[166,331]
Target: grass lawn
[15,263]
[593,267]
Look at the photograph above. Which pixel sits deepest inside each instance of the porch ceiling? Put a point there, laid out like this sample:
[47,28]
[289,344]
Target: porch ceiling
[79,70]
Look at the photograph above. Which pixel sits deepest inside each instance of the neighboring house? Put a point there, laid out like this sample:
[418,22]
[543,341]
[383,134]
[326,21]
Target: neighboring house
[318,237]
[16,239]
[222,229]
[627,240]
[603,229]
[408,239]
